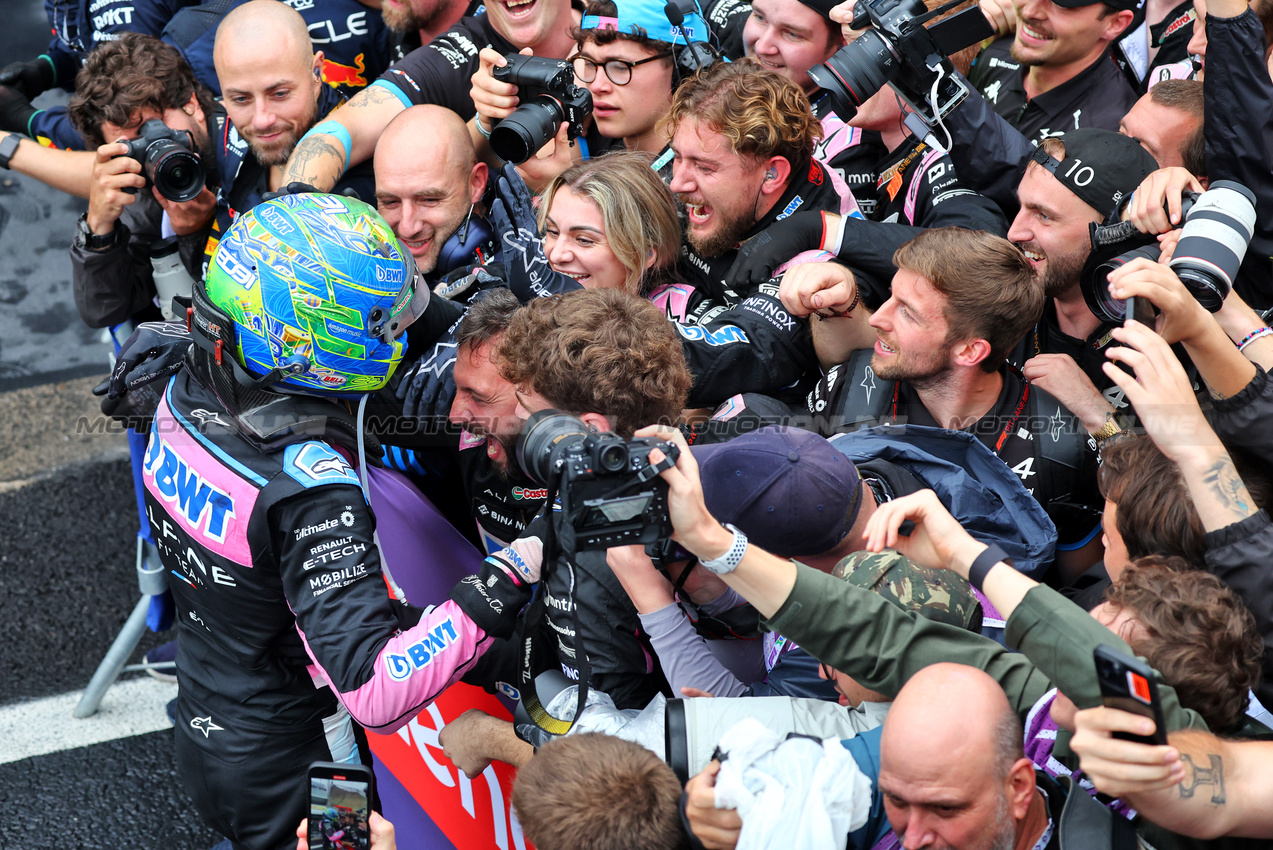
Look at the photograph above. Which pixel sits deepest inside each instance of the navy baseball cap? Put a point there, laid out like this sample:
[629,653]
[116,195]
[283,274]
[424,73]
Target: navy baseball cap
[790,491]
[1100,166]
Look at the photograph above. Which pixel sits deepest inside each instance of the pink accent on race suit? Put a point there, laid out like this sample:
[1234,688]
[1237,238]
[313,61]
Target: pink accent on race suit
[848,203]
[427,658]
[673,299]
[731,408]
[174,455]
[815,256]
[912,193]
[837,137]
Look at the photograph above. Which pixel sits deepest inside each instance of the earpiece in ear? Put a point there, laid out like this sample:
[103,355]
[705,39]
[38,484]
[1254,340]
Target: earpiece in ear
[772,175]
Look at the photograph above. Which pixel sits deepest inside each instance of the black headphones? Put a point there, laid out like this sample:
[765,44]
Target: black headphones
[693,56]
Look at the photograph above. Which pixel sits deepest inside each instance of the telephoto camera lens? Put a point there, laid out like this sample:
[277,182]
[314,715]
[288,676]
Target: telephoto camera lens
[175,171]
[856,71]
[1214,241]
[529,128]
[545,439]
[1106,307]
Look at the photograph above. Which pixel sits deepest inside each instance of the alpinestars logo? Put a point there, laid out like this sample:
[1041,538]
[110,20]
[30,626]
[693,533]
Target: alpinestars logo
[205,725]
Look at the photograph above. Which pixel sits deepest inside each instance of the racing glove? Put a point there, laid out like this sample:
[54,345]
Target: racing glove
[29,79]
[513,214]
[494,596]
[776,244]
[15,111]
[428,389]
[154,352]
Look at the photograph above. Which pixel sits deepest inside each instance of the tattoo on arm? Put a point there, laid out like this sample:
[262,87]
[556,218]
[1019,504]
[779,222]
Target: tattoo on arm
[310,158]
[1212,776]
[1226,485]
[372,96]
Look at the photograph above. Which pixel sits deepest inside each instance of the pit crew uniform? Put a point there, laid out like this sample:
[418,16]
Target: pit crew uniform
[1098,96]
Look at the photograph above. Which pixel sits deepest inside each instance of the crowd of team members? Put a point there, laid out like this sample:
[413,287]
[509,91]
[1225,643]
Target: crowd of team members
[723,260]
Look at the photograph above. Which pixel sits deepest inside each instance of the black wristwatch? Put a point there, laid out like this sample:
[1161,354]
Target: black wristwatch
[90,241]
[8,147]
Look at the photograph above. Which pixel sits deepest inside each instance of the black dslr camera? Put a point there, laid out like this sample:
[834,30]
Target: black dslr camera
[897,48]
[1217,225]
[611,495]
[548,95]
[169,161]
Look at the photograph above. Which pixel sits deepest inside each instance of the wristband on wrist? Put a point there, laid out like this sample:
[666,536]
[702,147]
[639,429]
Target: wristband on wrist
[981,565]
[733,556]
[1253,336]
[336,130]
[481,128]
[831,241]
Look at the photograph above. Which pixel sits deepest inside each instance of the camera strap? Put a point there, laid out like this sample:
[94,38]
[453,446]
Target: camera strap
[532,662]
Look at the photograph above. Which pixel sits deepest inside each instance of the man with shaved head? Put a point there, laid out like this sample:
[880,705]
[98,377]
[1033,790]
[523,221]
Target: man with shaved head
[272,89]
[948,770]
[270,77]
[953,772]
[429,183]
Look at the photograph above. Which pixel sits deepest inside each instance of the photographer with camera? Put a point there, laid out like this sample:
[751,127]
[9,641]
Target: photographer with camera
[630,59]
[917,183]
[152,123]
[615,362]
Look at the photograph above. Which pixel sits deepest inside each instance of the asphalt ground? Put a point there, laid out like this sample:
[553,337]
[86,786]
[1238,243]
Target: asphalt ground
[68,524]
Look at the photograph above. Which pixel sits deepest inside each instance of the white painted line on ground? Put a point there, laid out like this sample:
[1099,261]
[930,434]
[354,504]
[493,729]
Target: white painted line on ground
[39,727]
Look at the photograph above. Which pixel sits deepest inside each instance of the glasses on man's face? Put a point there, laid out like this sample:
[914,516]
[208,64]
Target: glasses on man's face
[618,71]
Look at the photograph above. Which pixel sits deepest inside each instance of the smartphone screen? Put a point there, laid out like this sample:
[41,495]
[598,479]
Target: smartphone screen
[339,808]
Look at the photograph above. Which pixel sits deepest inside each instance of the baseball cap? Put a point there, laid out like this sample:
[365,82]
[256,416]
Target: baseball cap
[822,7]
[650,16]
[1100,166]
[789,490]
[934,594]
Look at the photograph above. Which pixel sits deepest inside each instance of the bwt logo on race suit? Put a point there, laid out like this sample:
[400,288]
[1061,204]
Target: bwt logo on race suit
[205,507]
[421,653]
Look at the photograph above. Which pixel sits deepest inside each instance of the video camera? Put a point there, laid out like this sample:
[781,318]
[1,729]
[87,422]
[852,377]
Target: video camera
[548,95]
[169,161]
[1217,226]
[611,495]
[897,48]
